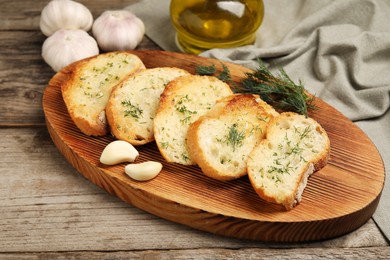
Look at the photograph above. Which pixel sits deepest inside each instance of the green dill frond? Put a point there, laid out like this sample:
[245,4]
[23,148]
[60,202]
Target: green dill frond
[131,109]
[225,74]
[205,70]
[234,137]
[211,70]
[279,91]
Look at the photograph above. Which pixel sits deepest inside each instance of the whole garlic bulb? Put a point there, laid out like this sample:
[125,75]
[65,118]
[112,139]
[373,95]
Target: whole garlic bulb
[64,14]
[118,30]
[67,46]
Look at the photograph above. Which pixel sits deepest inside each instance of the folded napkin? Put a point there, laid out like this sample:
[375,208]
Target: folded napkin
[339,49]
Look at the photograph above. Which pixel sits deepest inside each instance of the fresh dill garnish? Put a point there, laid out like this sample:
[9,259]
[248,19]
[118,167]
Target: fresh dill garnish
[182,108]
[132,110]
[294,148]
[185,157]
[279,91]
[234,137]
[225,74]
[164,145]
[211,70]
[305,132]
[206,70]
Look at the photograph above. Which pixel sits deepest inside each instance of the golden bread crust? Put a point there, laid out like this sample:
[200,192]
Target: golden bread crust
[184,100]
[133,103]
[89,85]
[280,165]
[221,140]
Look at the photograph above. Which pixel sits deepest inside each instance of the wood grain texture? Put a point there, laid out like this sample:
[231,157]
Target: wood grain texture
[49,211]
[47,206]
[339,198]
[23,72]
[24,76]
[244,254]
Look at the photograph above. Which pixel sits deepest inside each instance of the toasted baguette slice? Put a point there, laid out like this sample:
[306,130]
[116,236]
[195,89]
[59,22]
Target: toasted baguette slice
[133,104]
[279,167]
[87,90]
[221,140]
[182,102]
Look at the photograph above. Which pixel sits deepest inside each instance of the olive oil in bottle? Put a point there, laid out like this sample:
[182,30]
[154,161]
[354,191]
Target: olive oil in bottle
[206,24]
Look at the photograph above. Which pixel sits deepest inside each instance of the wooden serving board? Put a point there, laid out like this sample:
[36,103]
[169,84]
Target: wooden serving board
[338,199]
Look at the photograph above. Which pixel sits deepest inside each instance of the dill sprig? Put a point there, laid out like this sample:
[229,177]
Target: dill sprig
[132,110]
[279,91]
[234,137]
[211,70]
[182,108]
[206,70]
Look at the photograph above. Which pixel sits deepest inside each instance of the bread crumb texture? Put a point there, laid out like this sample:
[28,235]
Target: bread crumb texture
[182,102]
[279,166]
[133,104]
[221,140]
[88,89]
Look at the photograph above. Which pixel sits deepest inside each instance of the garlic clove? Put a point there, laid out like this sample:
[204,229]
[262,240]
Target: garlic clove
[64,14]
[118,30]
[117,152]
[67,46]
[143,171]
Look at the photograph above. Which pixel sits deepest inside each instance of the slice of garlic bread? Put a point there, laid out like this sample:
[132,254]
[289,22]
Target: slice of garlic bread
[182,102]
[221,140]
[133,104]
[87,90]
[279,167]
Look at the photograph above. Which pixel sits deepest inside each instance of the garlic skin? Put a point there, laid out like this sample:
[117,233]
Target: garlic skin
[67,46]
[64,14]
[118,30]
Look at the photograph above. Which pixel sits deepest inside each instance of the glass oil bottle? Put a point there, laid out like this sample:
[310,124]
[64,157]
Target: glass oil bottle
[207,24]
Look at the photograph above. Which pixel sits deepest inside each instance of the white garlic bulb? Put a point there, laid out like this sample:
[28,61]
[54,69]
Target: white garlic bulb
[118,30]
[64,14]
[67,46]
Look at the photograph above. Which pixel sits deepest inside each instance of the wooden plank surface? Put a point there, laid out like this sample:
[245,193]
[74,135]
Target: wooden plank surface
[23,73]
[24,76]
[46,206]
[48,210]
[314,253]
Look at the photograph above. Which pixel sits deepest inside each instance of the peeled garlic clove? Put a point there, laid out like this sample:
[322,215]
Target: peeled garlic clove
[64,14]
[118,30]
[143,171]
[67,46]
[117,152]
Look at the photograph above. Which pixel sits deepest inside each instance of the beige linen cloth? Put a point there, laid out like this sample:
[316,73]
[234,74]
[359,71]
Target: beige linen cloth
[340,49]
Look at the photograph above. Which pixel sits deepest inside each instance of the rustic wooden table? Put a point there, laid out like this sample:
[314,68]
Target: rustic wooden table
[48,210]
